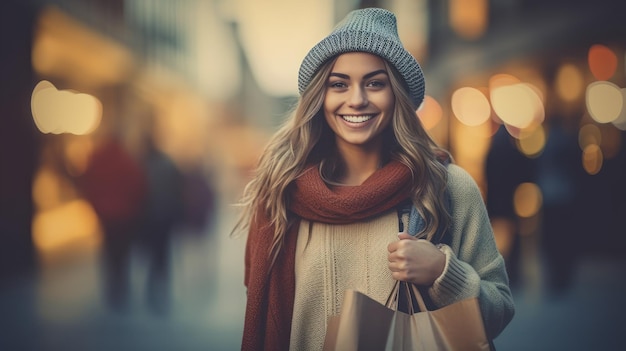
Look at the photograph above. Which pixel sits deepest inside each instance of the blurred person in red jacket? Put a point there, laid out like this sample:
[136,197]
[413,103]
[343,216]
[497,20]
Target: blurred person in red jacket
[115,184]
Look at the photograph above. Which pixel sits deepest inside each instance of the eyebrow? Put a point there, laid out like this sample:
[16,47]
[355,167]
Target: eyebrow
[369,75]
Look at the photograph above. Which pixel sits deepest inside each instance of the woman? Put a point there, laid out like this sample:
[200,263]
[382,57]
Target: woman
[321,210]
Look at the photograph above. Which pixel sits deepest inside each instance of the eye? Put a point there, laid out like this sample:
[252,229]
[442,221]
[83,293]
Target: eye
[336,84]
[377,84]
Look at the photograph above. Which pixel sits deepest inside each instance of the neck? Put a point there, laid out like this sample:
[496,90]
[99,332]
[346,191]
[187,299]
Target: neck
[360,164]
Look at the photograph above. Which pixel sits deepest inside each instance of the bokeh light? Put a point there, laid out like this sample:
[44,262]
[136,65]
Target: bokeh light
[46,189]
[430,112]
[516,104]
[569,82]
[470,106]
[589,134]
[77,151]
[469,18]
[605,101]
[592,159]
[531,141]
[63,111]
[602,62]
[64,46]
[59,221]
[72,222]
[527,200]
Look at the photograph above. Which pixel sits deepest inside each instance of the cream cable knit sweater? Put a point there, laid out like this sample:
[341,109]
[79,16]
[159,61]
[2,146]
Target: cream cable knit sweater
[333,258]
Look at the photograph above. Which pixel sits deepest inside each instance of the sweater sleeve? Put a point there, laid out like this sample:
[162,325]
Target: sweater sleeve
[474,266]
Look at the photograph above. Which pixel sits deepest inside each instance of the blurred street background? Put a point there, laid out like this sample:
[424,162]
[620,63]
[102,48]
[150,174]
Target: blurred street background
[129,128]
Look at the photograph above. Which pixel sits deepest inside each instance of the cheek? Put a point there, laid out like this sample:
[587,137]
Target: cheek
[390,102]
[388,109]
[330,107]
[330,103]
[329,117]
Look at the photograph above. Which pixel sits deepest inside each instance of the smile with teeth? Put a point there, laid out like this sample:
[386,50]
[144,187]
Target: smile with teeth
[357,118]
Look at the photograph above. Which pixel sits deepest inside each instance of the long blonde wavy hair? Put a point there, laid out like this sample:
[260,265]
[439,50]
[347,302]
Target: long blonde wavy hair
[305,139]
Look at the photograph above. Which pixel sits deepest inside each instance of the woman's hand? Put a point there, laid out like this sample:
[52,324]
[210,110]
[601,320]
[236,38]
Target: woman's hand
[417,261]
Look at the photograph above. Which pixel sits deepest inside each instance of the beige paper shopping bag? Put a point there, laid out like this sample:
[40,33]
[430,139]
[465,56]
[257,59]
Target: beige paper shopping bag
[365,324]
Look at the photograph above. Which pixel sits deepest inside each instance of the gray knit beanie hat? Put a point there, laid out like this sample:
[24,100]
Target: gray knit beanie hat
[371,30]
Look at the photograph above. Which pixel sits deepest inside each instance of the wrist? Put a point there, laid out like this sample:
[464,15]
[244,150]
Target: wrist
[440,264]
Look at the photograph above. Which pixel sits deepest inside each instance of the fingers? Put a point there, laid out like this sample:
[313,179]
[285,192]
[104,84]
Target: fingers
[400,270]
[404,235]
[411,260]
[393,246]
[399,276]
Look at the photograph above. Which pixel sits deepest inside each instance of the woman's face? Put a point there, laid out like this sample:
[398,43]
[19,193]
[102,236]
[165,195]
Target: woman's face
[359,103]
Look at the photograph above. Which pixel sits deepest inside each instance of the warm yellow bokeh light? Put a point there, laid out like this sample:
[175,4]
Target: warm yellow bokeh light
[181,128]
[569,82]
[518,104]
[589,134]
[64,111]
[527,200]
[502,79]
[64,46]
[430,112]
[532,141]
[68,223]
[469,146]
[46,189]
[592,159]
[77,152]
[470,106]
[605,101]
[469,18]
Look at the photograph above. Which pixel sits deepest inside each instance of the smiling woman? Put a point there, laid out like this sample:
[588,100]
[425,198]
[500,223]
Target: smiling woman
[321,210]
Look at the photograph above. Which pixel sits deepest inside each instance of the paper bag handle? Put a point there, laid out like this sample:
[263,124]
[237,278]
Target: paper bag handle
[411,290]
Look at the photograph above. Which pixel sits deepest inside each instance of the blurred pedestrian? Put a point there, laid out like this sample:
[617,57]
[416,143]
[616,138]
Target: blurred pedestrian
[162,211]
[506,168]
[321,211]
[115,185]
[566,215]
[560,176]
[200,199]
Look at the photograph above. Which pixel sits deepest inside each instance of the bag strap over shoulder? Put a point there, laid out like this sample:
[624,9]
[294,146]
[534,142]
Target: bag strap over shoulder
[404,211]
[407,218]
[412,222]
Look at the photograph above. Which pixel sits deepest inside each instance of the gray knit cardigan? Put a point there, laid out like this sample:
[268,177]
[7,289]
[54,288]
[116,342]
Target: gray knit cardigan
[474,266]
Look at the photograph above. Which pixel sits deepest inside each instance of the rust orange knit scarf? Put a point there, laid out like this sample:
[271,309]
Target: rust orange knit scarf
[271,295]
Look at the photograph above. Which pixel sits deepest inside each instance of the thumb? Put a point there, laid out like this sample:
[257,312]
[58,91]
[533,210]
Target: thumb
[404,235]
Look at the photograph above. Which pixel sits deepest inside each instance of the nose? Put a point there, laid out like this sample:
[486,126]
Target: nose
[358,97]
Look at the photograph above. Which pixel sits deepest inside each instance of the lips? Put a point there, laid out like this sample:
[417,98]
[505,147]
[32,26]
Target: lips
[357,118]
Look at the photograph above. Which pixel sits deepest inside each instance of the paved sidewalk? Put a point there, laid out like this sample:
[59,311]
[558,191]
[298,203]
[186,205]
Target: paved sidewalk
[61,309]
[589,316]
